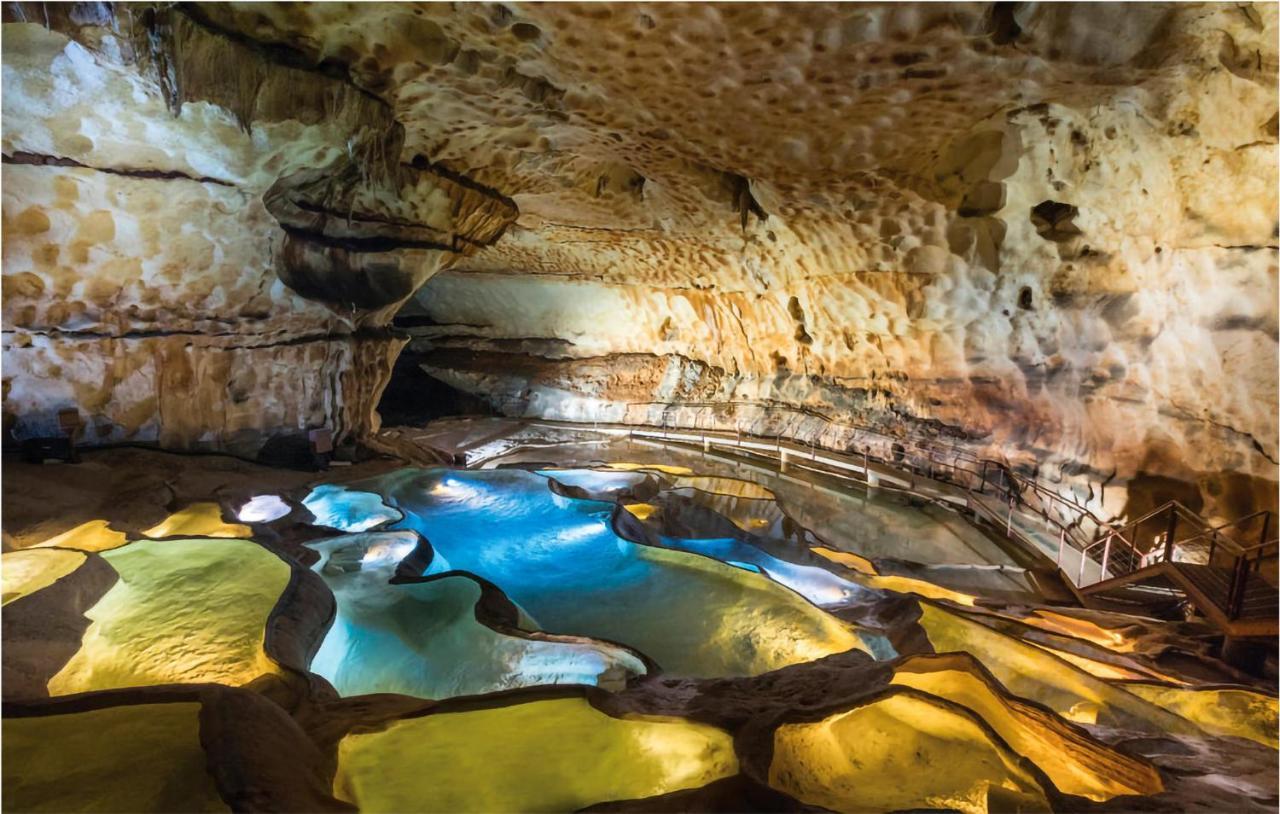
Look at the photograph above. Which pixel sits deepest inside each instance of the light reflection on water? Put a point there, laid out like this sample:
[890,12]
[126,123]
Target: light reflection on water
[558,559]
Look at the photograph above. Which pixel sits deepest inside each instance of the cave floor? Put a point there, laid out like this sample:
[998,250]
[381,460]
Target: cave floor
[567,623]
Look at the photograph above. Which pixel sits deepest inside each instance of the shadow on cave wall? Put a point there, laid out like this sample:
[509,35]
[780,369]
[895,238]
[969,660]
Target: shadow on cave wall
[413,397]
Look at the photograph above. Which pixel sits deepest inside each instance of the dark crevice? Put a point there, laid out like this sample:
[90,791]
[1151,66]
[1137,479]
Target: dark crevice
[372,245]
[414,397]
[1002,24]
[421,163]
[37,159]
[1054,220]
[362,217]
[361,334]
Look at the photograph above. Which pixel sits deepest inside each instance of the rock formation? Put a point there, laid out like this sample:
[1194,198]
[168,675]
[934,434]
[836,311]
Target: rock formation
[193,672]
[204,240]
[1044,232]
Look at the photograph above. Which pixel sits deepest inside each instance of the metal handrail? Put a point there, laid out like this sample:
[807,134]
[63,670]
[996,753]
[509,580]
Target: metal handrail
[966,470]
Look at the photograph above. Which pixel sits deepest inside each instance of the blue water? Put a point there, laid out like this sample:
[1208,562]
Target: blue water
[609,484]
[818,585]
[560,561]
[346,510]
[425,639]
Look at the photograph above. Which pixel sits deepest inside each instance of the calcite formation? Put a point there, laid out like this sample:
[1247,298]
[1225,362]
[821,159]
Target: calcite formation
[204,239]
[1044,232]
[193,672]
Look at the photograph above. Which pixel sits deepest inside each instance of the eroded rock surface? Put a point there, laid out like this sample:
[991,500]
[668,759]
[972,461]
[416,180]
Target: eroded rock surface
[983,705]
[204,238]
[1047,232]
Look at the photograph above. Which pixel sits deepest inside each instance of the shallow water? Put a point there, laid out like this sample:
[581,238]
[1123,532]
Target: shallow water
[427,639]
[560,561]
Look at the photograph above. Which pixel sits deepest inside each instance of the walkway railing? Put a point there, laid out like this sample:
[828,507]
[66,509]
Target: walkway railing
[1113,548]
[1182,536]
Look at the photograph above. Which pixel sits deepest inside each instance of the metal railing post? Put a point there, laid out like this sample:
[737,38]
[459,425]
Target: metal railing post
[1168,535]
[1106,555]
[1239,576]
[1062,543]
[1080,579]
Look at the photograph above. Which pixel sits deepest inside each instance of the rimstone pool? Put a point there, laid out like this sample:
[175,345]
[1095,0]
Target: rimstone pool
[698,608]
[533,637]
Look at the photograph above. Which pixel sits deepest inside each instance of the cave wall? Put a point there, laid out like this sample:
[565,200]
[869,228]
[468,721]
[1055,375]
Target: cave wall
[1046,232]
[203,243]
[1057,250]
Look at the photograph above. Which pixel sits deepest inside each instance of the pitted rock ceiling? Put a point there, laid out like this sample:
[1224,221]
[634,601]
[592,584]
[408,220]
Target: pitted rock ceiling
[1044,231]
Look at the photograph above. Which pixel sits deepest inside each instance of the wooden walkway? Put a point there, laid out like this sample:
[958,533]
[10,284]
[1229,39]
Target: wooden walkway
[1207,587]
[1068,574]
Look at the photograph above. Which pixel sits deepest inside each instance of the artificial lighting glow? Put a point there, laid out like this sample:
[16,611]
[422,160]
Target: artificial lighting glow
[1031,672]
[641,511]
[183,611]
[870,759]
[853,561]
[131,757]
[263,509]
[348,510]
[559,559]
[730,487]
[28,570]
[1079,629]
[1069,757]
[387,554]
[479,760]
[666,469]
[908,585]
[1224,711]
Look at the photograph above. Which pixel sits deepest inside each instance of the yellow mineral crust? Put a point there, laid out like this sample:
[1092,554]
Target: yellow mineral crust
[24,572]
[551,755]
[198,520]
[666,469]
[907,750]
[95,535]
[1079,628]
[1031,672]
[1075,763]
[1229,711]
[182,611]
[866,575]
[134,757]
[775,625]
[642,511]
[733,487]
[854,561]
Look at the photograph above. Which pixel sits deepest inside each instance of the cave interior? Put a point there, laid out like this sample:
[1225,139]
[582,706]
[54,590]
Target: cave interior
[640,406]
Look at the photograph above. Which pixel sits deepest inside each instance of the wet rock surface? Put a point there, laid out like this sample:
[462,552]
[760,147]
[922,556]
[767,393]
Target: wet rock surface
[1034,233]
[280,742]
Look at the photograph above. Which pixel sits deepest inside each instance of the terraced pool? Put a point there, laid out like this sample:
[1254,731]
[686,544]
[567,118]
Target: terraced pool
[695,608]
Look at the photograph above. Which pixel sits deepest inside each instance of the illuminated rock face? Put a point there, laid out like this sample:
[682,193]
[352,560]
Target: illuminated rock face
[1048,232]
[203,243]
